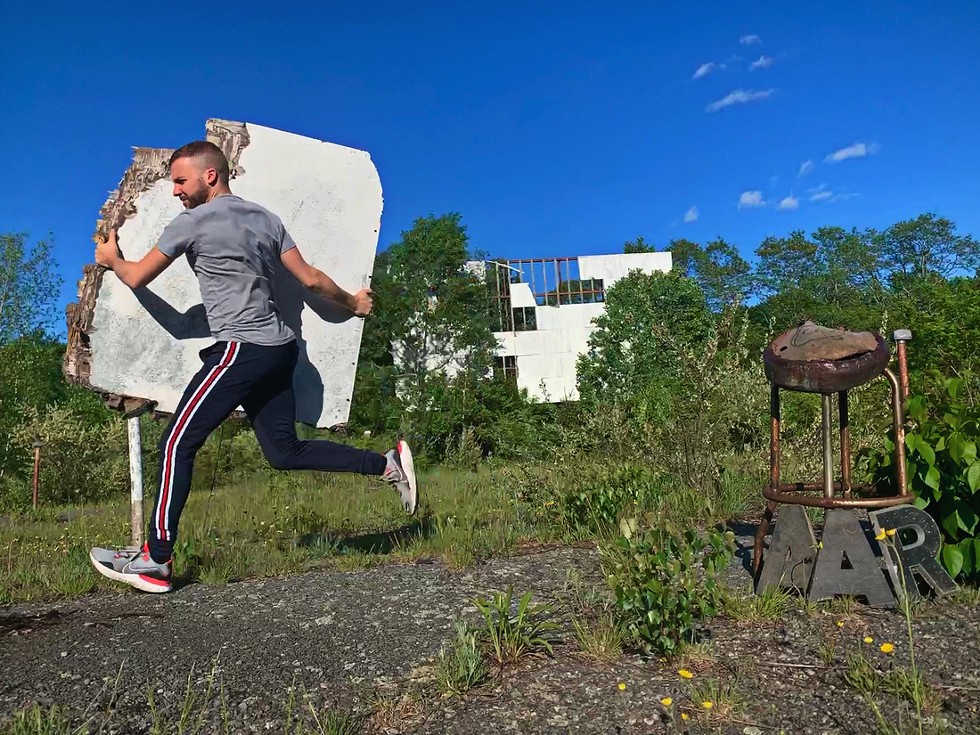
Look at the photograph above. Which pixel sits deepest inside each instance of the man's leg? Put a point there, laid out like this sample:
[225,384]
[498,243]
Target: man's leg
[230,371]
[271,407]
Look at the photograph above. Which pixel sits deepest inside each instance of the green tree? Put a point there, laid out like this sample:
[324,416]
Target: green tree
[832,278]
[28,287]
[785,262]
[724,275]
[30,378]
[639,245]
[944,317]
[928,245]
[685,257]
[634,346]
[431,309]
[431,322]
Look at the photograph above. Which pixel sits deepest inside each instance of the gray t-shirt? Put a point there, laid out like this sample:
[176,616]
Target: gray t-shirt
[233,247]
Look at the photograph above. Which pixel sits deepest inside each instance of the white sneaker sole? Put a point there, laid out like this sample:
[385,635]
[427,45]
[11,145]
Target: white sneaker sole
[142,582]
[408,466]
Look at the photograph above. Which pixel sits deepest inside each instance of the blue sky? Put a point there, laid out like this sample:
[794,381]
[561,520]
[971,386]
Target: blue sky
[552,128]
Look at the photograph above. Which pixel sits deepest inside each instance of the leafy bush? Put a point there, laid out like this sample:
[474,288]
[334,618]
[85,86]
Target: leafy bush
[580,497]
[491,416]
[600,504]
[943,471]
[682,415]
[79,462]
[665,580]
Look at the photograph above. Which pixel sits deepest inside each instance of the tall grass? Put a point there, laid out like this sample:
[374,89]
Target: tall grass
[268,525]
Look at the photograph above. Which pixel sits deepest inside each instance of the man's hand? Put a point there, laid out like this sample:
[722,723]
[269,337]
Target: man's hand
[363,303]
[107,252]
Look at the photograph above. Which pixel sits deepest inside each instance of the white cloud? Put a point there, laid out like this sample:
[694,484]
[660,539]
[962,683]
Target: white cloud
[705,69]
[691,215]
[751,199]
[749,39]
[858,150]
[805,168]
[789,203]
[823,194]
[739,97]
[763,62]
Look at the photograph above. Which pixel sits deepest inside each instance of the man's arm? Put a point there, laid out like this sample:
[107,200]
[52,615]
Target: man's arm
[134,274]
[320,283]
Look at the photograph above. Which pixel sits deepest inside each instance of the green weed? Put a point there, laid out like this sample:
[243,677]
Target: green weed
[770,605]
[37,720]
[600,636]
[716,702]
[268,525]
[460,667]
[515,630]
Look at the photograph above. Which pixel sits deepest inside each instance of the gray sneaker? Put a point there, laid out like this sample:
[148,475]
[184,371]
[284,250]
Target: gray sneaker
[400,473]
[134,567]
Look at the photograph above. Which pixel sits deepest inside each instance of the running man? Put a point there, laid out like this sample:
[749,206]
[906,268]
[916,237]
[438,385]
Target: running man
[233,247]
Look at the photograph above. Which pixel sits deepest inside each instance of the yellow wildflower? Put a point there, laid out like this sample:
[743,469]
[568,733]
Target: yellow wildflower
[880,536]
[707,704]
[666,701]
[622,685]
[684,716]
[840,623]
[891,531]
[887,647]
[685,674]
[868,639]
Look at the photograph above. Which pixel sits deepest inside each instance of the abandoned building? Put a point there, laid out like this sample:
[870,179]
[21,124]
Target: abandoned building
[544,310]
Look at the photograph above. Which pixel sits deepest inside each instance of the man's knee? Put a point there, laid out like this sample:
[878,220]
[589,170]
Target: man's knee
[281,459]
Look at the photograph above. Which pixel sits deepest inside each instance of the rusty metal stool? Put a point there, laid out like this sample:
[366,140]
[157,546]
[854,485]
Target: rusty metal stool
[815,359]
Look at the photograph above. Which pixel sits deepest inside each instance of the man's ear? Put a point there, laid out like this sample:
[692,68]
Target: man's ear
[211,176]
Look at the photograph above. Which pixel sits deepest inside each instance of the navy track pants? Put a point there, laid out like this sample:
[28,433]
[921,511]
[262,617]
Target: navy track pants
[260,380]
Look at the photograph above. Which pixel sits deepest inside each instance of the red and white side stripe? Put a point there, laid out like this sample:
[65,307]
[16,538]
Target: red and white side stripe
[162,511]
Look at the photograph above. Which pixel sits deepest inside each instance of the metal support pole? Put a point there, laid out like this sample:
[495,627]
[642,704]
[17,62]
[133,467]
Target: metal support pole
[774,437]
[902,336]
[828,449]
[136,481]
[845,444]
[898,420]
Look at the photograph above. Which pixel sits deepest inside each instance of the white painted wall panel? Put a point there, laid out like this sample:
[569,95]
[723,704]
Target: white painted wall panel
[549,317]
[520,295]
[610,268]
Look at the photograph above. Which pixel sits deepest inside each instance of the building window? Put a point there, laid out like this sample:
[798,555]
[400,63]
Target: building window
[506,366]
[525,319]
[584,291]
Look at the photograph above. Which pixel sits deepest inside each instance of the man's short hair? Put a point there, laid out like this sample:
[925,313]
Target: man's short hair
[208,153]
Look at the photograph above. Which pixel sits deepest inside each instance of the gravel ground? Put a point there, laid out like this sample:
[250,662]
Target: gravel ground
[366,640]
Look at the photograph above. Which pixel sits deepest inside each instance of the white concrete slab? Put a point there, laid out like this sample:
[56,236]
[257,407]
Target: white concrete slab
[329,197]
[520,295]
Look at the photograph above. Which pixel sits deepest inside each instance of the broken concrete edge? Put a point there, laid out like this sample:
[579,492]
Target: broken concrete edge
[149,166]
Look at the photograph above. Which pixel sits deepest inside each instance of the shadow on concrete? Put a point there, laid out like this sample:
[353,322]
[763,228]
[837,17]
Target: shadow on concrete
[744,529]
[190,324]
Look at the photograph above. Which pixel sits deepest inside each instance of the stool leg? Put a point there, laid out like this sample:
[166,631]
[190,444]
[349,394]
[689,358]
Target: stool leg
[760,536]
[828,449]
[770,510]
[845,444]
